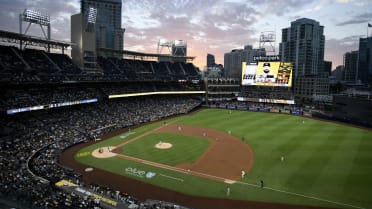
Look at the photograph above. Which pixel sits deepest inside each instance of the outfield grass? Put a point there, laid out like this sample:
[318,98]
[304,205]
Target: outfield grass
[322,159]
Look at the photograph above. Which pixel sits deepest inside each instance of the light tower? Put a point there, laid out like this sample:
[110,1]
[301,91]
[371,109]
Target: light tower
[267,41]
[83,37]
[36,17]
[91,17]
[177,50]
[163,43]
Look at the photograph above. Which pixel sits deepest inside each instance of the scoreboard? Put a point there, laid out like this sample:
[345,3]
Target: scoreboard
[267,73]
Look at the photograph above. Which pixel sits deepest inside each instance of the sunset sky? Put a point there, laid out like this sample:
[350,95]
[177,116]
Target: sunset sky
[210,26]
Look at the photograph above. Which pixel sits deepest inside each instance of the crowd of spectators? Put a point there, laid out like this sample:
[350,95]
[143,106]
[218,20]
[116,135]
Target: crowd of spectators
[254,106]
[34,95]
[31,144]
[33,65]
[266,92]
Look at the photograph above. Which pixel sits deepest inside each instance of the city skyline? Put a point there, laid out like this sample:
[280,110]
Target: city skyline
[214,27]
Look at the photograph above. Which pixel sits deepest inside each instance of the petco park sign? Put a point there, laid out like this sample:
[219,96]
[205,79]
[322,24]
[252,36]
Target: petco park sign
[139,173]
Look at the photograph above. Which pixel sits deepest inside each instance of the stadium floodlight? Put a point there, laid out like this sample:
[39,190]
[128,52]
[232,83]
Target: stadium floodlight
[37,17]
[32,16]
[180,43]
[92,15]
[164,43]
[268,37]
[179,48]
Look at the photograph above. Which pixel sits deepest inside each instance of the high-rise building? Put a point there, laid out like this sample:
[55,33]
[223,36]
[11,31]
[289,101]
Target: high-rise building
[98,25]
[327,67]
[303,44]
[365,60]
[109,33]
[351,66]
[311,87]
[83,37]
[233,60]
[338,73]
[210,60]
[232,63]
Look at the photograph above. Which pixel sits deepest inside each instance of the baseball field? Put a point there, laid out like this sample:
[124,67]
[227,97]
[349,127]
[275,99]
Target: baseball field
[241,155]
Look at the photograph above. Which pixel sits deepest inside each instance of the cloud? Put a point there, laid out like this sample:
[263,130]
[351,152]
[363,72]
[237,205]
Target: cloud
[361,4]
[309,10]
[213,26]
[208,26]
[282,7]
[59,11]
[358,3]
[344,1]
[357,19]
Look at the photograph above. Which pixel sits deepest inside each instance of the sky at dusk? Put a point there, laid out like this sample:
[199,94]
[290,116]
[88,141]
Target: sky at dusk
[210,26]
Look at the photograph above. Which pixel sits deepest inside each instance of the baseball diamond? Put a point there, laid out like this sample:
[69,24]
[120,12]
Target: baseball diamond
[113,104]
[196,174]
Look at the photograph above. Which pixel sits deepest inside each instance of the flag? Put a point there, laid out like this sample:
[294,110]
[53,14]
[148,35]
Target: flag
[369,25]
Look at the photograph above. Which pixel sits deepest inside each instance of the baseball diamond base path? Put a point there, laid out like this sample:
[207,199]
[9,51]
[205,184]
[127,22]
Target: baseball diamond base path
[224,160]
[145,191]
[226,156]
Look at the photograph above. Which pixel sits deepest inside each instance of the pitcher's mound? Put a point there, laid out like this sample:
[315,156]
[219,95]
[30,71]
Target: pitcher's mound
[104,152]
[163,145]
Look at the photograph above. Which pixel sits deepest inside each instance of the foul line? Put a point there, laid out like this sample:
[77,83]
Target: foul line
[302,195]
[172,168]
[215,177]
[204,175]
[171,177]
[195,173]
[139,136]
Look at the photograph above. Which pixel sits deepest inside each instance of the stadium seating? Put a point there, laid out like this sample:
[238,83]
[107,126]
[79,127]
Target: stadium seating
[32,142]
[161,70]
[108,66]
[39,61]
[190,69]
[32,65]
[13,68]
[65,64]
[177,71]
[266,93]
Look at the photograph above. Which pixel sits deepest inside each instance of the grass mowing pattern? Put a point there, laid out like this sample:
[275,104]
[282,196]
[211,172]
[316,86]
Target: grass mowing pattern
[185,149]
[322,159]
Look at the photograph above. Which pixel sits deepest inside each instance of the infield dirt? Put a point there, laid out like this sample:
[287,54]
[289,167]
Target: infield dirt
[222,151]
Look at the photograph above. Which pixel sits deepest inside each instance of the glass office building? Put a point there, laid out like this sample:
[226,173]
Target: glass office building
[109,33]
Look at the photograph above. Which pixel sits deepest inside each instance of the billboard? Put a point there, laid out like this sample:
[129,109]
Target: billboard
[154,93]
[266,73]
[265,100]
[53,105]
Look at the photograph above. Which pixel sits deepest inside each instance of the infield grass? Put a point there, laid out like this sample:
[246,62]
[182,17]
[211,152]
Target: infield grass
[185,149]
[325,160]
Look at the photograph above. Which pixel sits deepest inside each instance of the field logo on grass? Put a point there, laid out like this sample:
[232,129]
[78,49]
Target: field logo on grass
[139,173]
[150,175]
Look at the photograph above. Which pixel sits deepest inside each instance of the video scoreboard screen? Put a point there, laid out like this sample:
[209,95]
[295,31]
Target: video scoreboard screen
[267,73]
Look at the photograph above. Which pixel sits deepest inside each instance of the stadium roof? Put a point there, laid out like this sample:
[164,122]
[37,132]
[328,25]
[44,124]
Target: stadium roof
[17,38]
[141,55]
[24,40]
